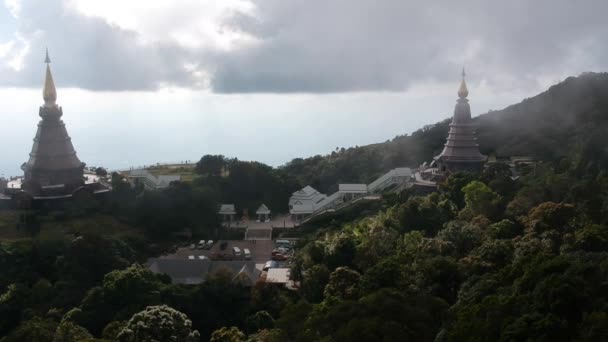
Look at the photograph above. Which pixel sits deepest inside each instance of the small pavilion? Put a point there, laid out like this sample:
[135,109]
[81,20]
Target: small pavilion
[227,211]
[263,213]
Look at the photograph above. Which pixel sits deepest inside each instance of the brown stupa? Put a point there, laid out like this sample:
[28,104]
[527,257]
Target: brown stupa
[53,162]
[461,151]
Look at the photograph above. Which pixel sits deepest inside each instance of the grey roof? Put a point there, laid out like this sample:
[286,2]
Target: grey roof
[263,209]
[307,190]
[278,275]
[301,209]
[306,197]
[227,209]
[352,188]
[243,272]
[181,271]
[195,271]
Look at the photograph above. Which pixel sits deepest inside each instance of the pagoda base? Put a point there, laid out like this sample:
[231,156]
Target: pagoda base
[454,166]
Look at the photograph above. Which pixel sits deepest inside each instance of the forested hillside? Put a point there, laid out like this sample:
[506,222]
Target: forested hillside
[486,258]
[547,126]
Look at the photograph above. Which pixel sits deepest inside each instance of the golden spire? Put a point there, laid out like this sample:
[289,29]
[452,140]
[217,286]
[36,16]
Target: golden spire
[463,92]
[49,93]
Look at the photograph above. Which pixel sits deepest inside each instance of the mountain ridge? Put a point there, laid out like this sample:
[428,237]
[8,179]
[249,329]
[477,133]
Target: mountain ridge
[546,126]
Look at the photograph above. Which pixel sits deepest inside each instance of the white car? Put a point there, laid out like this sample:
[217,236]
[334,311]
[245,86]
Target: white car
[246,254]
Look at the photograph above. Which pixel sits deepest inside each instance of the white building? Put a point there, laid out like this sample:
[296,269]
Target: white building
[304,201]
[151,181]
[263,213]
[307,202]
[227,212]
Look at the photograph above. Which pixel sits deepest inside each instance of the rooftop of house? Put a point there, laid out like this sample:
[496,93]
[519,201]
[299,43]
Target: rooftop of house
[262,210]
[196,271]
[352,188]
[227,209]
[278,275]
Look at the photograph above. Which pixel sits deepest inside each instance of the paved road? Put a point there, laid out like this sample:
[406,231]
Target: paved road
[260,250]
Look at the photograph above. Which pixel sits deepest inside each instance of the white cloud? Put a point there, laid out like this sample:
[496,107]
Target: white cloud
[6,48]
[191,23]
[19,53]
[314,46]
[14,6]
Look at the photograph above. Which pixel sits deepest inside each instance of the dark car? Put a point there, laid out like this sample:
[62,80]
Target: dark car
[221,256]
[223,245]
[279,257]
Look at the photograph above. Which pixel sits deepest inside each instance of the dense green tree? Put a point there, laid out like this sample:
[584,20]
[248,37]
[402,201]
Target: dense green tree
[134,286]
[480,200]
[425,213]
[36,329]
[158,323]
[592,238]
[267,297]
[258,321]
[386,315]
[549,216]
[386,273]
[68,331]
[313,284]
[498,176]
[377,243]
[232,334]
[340,250]
[463,235]
[268,335]
[211,165]
[12,302]
[343,284]
[88,258]
[504,229]
[111,331]
[452,187]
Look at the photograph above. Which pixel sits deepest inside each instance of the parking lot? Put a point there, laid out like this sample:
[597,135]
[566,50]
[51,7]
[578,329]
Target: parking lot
[260,250]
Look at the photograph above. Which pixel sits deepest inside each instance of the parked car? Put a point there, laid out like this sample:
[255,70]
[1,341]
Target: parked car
[201,244]
[285,243]
[270,264]
[223,245]
[280,257]
[236,252]
[282,250]
[192,246]
[246,254]
[209,244]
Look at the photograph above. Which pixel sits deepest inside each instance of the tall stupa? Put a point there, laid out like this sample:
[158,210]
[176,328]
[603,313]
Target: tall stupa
[461,151]
[53,163]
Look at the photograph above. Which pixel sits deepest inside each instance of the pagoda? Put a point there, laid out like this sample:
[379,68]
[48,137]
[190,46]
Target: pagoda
[53,165]
[461,151]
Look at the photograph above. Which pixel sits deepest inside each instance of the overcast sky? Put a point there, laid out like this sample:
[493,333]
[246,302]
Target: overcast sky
[154,80]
